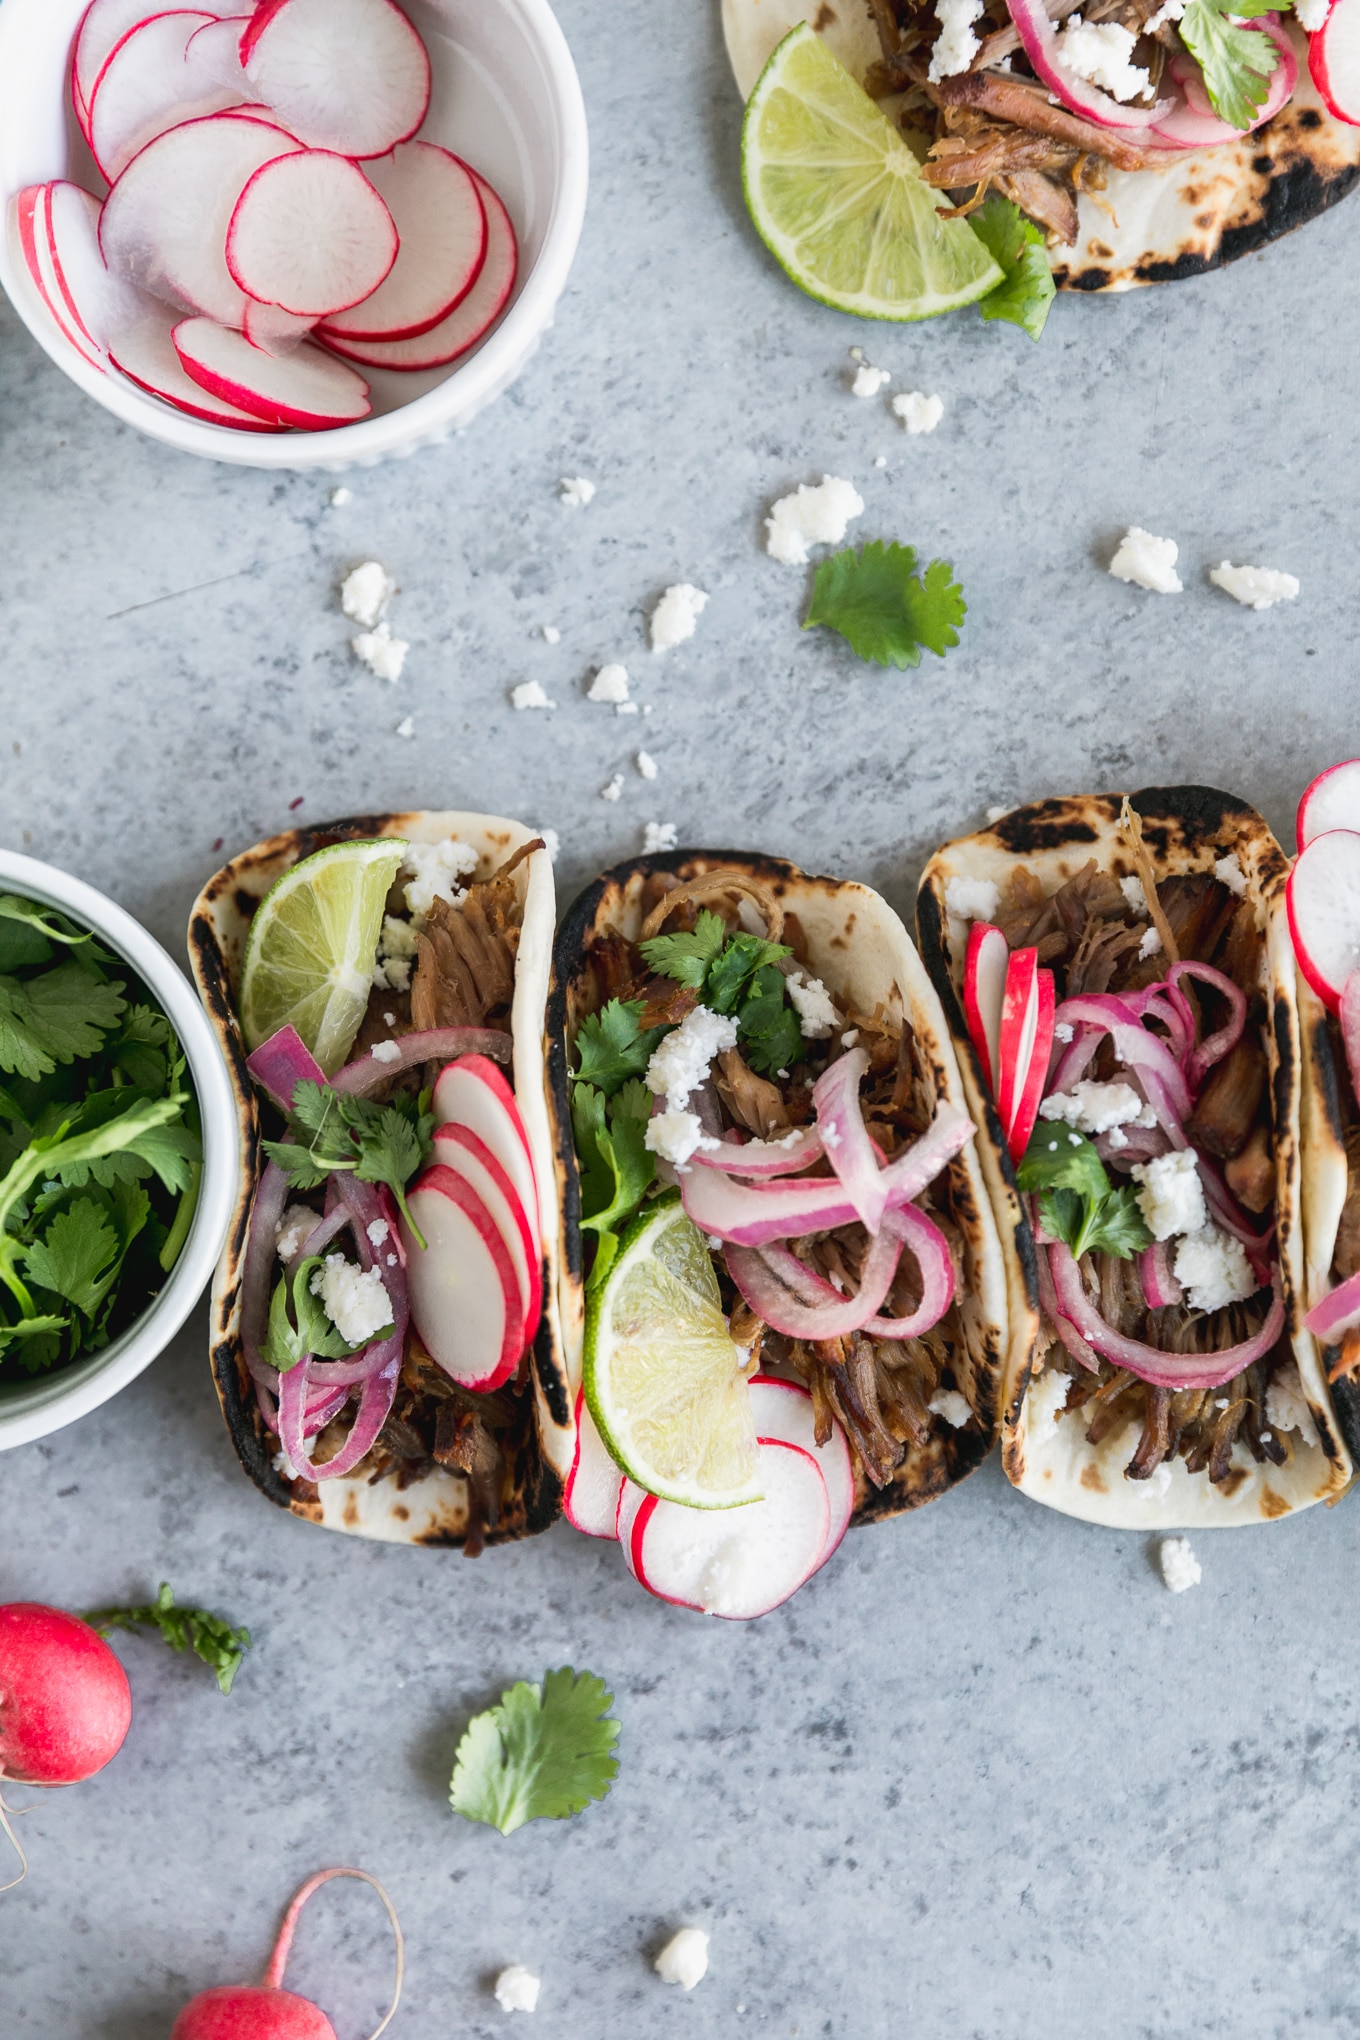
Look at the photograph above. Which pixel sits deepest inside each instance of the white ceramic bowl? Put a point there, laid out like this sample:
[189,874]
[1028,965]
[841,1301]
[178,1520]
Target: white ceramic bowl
[505,96]
[31,1410]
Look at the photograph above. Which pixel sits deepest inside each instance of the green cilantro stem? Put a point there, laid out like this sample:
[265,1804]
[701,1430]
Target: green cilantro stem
[184,1218]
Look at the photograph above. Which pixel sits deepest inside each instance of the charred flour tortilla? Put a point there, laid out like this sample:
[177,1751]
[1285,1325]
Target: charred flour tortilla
[851,939]
[1331,1192]
[1186,831]
[535,1441]
[1209,206]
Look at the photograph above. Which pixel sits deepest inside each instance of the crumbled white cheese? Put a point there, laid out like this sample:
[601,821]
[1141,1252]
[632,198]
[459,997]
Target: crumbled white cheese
[366,592]
[811,516]
[880,460]
[396,955]
[675,1136]
[658,836]
[971,899]
[1063,1030]
[1287,1405]
[435,872]
[918,412]
[386,1052]
[1100,51]
[646,764]
[551,634]
[1172,10]
[517,1989]
[1254,587]
[869,380]
[529,695]
[406,727]
[339,497]
[609,684]
[680,1063]
[1212,1268]
[382,653]
[1151,945]
[1180,1567]
[1310,14]
[1132,889]
[1045,1398]
[812,1002]
[675,616]
[684,1959]
[955,45]
[953,1407]
[378,1230]
[575,491]
[1229,872]
[1147,561]
[1095,1108]
[353,1298]
[850,1037]
[613,789]
[292,1229]
[1171,1198]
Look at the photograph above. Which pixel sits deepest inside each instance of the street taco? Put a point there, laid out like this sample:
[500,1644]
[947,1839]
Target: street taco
[1121,205]
[759,1057]
[1120,982]
[396,1135]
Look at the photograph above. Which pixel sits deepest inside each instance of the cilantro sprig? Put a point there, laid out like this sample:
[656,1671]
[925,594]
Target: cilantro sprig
[542,1753]
[1238,63]
[298,1327]
[1024,296]
[334,1134]
[208,1636]
[1077,1202]
[883,608]
[735,975]
[617,1168]
[612,1046]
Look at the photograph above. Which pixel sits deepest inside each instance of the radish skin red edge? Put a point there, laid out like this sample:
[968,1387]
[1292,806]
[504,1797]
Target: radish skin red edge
[1323,899]
[757,1556]
[984,992]
[1334,64]
[440,219]
[304,388]
[463,1289]
[265,2010]
[590,1498]
[1331,802]
[463,1151]
[65,1703]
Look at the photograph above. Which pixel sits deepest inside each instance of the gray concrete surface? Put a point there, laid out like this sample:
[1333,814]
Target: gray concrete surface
[985,1776]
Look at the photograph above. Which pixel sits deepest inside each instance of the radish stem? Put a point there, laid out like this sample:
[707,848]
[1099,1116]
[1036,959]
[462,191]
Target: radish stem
[273,1976]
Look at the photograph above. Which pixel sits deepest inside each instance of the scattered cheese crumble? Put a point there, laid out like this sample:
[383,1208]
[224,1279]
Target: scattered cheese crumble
[953,1407]
[955,45]
[529,695]
[292,1229]
[353,1298]
[1180,1567]
[1132,889]
[575,491]
[658,836]
[918,412]
[1228,871]
[646,764]
[1171,1198]
[1046,1398]
[812,1002]
[1147,562]
[1100,51]
[1310,14]
[382,653]
[378,1230]
[609,684]
[366,592]
[517,1989]
[971,899]
[396,955]
[675,1136]
[684,1959]
[406,727]
[1172,10]
[551,634]
[869,380]
[339,497]
[811,516]
[1095,1108]
[680,1063]
[1151,945]
[1254,587]
[1213,1269]
[386,1052]
[435,871]
[1287,1405]
[675,616]
[613,789]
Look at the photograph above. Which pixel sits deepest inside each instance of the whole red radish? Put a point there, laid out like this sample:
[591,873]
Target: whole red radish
[266,2011]
[65,1704]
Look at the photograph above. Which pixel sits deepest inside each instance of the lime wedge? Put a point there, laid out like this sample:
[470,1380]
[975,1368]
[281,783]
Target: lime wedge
[662,1376]
[312,947]
[839,200]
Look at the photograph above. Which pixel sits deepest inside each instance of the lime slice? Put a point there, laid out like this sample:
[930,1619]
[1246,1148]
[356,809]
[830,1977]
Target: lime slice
[312,946]
[839,200]
[662,1376]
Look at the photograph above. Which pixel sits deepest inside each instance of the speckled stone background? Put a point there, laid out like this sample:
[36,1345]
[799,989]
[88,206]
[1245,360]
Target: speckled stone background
[984,1776]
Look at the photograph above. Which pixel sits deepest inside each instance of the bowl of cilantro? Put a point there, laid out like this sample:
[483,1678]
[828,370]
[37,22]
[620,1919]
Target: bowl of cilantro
[118,1149]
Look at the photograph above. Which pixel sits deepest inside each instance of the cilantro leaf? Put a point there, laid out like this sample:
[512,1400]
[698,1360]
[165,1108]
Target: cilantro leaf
[1119,1227]
[309,1331]
[617,1168]
[543,1753]
[1238,63]
[334,1132]
[71,1010]
[771,1038]
[1059,1159]
[1012,240]
[1077,1203]
[687,955]
[882,608]
[611,1047]
[732,974]
[77,1257]
[211,1638]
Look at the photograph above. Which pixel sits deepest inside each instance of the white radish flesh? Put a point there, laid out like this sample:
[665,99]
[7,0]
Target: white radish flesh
[1331,802]
[783,1410]
[631,1500]
[590,1499]
[458,1148]
[737,1563]
[275,331]
[441,222]
[349,75]
[165,222]
[468,323]
[984,996]
[300,389]
[213,56]
[145,352]
[100,303]
[311,235]
[472,1092]
[1324,912]
[1334,60]
[462,1285]
[147,88]
[29,212]
[102,27]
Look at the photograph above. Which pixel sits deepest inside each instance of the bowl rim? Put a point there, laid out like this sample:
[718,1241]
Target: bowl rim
[423,421]
[30,1413]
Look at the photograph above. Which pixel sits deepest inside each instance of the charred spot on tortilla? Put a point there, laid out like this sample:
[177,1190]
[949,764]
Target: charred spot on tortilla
[1044,825]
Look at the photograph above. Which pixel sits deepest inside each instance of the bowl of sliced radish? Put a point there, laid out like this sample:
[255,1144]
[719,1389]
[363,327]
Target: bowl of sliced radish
[289,233]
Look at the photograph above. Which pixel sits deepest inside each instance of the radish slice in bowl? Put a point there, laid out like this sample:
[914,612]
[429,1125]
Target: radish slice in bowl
[349,75]
[463,1289]
[1323,896]
[147,88]
[275,331]
[145,352]
[103,26]
[310,235]
[737,1563]
[441,222]
[29,212]
[590,1499]
[1331,802]
[783,1410]
[305,388]
[101,304]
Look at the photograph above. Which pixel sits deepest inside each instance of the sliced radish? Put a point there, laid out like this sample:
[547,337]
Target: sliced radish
[275,331]
[631,1499]
[1031,1091]
[984,993]
[1193,124]
[305,388]
[100,303]
[590,1499]
[29,209]
[783,1410]
[350,75]
[311,235]
[1324,912]
[1019,1026]
[145,353]
[441,221]
[467,323]
[462,1284]
[1334,61]
[737,1563]
[147,88]
[1331,802]
[214,56]
[472,1092]
[103,26]
[1039,36]
[165,221]
[459,1148]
